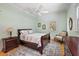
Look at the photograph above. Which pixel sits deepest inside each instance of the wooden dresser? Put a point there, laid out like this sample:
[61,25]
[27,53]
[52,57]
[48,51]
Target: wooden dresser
[9,43]
[73,44]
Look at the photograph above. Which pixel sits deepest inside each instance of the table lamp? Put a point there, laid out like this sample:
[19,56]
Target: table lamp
[9,30]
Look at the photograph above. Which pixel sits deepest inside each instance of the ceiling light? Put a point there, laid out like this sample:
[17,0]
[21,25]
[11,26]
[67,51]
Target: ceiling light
[44,11]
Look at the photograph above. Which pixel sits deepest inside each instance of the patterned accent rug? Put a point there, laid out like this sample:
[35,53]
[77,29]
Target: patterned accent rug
[49,50]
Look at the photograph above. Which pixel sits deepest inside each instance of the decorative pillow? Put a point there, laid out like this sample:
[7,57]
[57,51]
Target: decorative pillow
[62,34]
[30,31]
[22,37]
[58,38]
[24,32]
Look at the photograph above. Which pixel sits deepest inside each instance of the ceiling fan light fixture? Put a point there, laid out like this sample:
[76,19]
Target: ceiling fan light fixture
[39,14]
[44,11]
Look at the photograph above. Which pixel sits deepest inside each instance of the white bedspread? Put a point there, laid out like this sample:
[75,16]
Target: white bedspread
[34,37]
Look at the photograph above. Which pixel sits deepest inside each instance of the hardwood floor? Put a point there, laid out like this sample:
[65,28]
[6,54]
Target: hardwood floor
[4,54]
[62,49]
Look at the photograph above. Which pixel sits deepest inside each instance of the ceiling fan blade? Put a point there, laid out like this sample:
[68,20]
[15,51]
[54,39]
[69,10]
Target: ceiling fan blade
[43,11]
[38,8]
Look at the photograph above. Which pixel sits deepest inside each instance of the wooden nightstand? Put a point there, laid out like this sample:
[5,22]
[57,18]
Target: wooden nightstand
[9,43]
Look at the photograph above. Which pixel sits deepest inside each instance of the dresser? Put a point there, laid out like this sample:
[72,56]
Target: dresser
[73,44]
[9,43]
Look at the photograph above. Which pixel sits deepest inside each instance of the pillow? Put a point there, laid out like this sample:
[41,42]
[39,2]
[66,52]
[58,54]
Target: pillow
[58,38]
[24,32]
[30,31]
[62,34]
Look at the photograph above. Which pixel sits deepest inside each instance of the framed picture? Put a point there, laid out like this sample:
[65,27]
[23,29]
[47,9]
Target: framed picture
[52,25]
[39,24]
[43,26]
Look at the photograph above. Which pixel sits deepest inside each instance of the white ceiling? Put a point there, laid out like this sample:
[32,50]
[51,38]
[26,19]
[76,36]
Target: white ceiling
[35,7]
[54,7]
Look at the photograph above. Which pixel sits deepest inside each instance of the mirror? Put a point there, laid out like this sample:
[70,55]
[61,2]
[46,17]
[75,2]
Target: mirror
[70,23]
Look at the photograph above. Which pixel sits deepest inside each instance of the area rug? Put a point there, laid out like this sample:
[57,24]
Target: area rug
[49,50]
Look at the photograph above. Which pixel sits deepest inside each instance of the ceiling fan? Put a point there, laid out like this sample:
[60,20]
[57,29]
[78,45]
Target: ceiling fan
[38,10]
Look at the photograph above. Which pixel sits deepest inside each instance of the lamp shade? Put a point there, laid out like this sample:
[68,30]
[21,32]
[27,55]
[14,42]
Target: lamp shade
[9,29]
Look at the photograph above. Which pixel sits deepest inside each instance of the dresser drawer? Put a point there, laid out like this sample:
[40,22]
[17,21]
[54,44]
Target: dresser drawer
[9,43]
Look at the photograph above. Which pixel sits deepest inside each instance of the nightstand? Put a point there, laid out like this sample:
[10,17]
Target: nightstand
[9,43]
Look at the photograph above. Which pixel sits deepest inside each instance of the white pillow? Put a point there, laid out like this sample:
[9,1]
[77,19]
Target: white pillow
[24,32]
[30,31]
[59,38]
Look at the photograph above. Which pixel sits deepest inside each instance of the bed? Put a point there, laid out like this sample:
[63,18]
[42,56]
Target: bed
[32,40]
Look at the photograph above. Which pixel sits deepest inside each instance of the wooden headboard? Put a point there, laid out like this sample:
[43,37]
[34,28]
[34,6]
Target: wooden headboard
[20,33]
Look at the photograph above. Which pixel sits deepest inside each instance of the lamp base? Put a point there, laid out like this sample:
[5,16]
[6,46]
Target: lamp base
[10,34]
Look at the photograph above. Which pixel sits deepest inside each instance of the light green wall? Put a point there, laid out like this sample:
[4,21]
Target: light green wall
[73,14]
[10,16]
[60,19]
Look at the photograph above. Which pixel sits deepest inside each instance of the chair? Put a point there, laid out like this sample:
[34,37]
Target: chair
[59,37]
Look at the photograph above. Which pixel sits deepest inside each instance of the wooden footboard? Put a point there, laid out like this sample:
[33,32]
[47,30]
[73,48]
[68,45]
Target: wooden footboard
[44,41]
